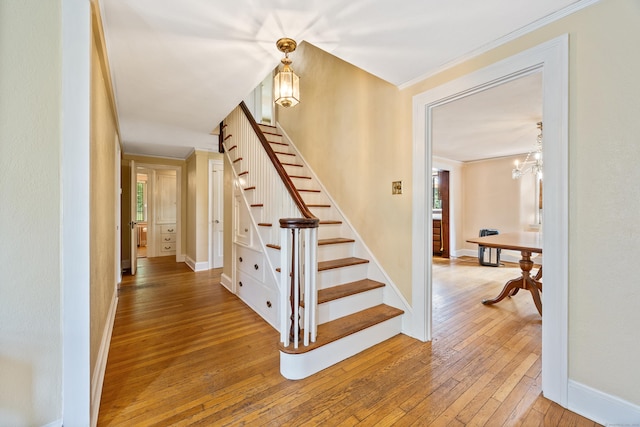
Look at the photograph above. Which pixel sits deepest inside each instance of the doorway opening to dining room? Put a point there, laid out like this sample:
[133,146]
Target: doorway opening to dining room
[550,60]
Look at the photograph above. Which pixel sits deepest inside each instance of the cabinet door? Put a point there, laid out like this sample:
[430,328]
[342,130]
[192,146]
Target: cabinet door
[166,198]
[243,233]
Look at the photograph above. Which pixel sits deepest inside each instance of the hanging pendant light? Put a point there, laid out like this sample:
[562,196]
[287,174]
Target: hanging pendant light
[533,166]
[286,85]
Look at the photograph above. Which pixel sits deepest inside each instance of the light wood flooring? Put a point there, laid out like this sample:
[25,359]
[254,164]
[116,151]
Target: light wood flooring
[185,351]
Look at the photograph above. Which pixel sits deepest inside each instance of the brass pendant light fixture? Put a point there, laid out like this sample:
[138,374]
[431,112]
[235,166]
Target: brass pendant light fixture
[286,85]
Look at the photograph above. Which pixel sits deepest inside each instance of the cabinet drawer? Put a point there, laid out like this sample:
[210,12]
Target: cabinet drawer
[167,228]
[250,261]
[167,238]
[167,247]
[259,297]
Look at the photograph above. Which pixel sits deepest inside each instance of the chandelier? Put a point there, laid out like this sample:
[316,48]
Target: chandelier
[533,162]
[286,85]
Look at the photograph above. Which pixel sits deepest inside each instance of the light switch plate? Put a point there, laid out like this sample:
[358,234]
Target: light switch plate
[396,187]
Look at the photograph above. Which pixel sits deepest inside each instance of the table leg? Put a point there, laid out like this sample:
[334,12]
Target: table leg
[525,281]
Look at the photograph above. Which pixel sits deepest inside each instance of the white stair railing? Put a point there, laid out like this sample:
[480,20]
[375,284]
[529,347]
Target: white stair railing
[298,237]
[260,170]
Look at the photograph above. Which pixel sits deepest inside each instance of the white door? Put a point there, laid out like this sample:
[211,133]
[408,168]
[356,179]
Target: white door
[133,214]
[216,224]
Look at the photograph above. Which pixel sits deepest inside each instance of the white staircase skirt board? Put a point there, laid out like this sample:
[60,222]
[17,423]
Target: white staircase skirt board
[299,366]
[336,276]
[332,310]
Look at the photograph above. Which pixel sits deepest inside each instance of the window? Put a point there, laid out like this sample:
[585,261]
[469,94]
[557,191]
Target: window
[437,201]
[141,201]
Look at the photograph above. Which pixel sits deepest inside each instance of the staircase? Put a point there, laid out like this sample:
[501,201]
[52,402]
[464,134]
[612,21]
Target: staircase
[356,307]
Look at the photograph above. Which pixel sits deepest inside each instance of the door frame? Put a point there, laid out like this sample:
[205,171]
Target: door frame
[150,227]
[213,207]
[550,58]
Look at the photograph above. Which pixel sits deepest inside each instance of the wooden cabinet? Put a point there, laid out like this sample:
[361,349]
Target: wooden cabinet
[167,243]
[437,237]
[251,287]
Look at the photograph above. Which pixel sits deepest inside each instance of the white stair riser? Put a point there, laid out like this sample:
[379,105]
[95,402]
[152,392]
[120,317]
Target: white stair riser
[298,366]
[341,307]
[339,250]
[338,276]
[330,231]
[293,170]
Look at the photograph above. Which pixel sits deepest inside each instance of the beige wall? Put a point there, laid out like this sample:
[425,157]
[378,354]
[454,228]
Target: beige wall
[492,199]
[102,205]
[227,269]
[197,166]
[351,122]
[30,212]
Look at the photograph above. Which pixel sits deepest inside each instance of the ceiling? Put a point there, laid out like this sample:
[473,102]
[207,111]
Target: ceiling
[497,122]
[179,67]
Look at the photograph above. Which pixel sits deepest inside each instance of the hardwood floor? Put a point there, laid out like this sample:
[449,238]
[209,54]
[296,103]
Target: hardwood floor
[185,351]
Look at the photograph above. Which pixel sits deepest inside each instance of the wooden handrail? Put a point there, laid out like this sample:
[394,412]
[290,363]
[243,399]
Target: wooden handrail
[297,199]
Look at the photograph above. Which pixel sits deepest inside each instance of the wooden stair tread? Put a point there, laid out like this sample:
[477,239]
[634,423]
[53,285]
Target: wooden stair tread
[278,143]
[257,205]
[341,262]
[329,222]
[292,164]
[345,326]
[250,188]
[341,291]
[334,241]
[264,224]
[300,177]
[319,205]
[284,154]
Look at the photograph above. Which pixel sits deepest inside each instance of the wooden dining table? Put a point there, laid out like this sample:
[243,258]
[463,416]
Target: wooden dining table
[527,243]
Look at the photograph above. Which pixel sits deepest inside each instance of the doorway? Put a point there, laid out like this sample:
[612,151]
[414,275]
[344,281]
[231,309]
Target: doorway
[155,214]
[216,213]
[551,58]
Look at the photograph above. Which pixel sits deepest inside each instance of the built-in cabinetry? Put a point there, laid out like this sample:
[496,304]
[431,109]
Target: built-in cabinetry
[254,285]
[165,212]
[437,237]
[167,244]
[250,266]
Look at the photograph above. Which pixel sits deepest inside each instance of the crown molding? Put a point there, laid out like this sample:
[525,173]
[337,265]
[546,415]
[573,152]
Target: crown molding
[569,10]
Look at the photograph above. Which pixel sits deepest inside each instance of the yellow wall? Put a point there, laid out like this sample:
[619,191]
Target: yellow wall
[30,212]
[102,204]
[198,205]
[227,269]
[354,123]
[491,199]
[349,121]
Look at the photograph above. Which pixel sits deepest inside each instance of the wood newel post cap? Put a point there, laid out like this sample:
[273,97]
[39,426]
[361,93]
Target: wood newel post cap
[299,222]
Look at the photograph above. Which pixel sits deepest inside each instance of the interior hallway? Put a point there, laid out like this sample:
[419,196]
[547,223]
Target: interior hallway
[185,351]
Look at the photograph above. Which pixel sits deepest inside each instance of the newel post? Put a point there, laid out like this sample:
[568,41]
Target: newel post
[299,268]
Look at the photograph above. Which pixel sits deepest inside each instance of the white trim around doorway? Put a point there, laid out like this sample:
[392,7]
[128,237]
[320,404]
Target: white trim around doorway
[550,58]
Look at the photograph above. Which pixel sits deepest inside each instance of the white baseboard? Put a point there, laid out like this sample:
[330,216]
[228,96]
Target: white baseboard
[101,363]
[196,266]
[601,407]
[126,264]
[227,282]
[180,258]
